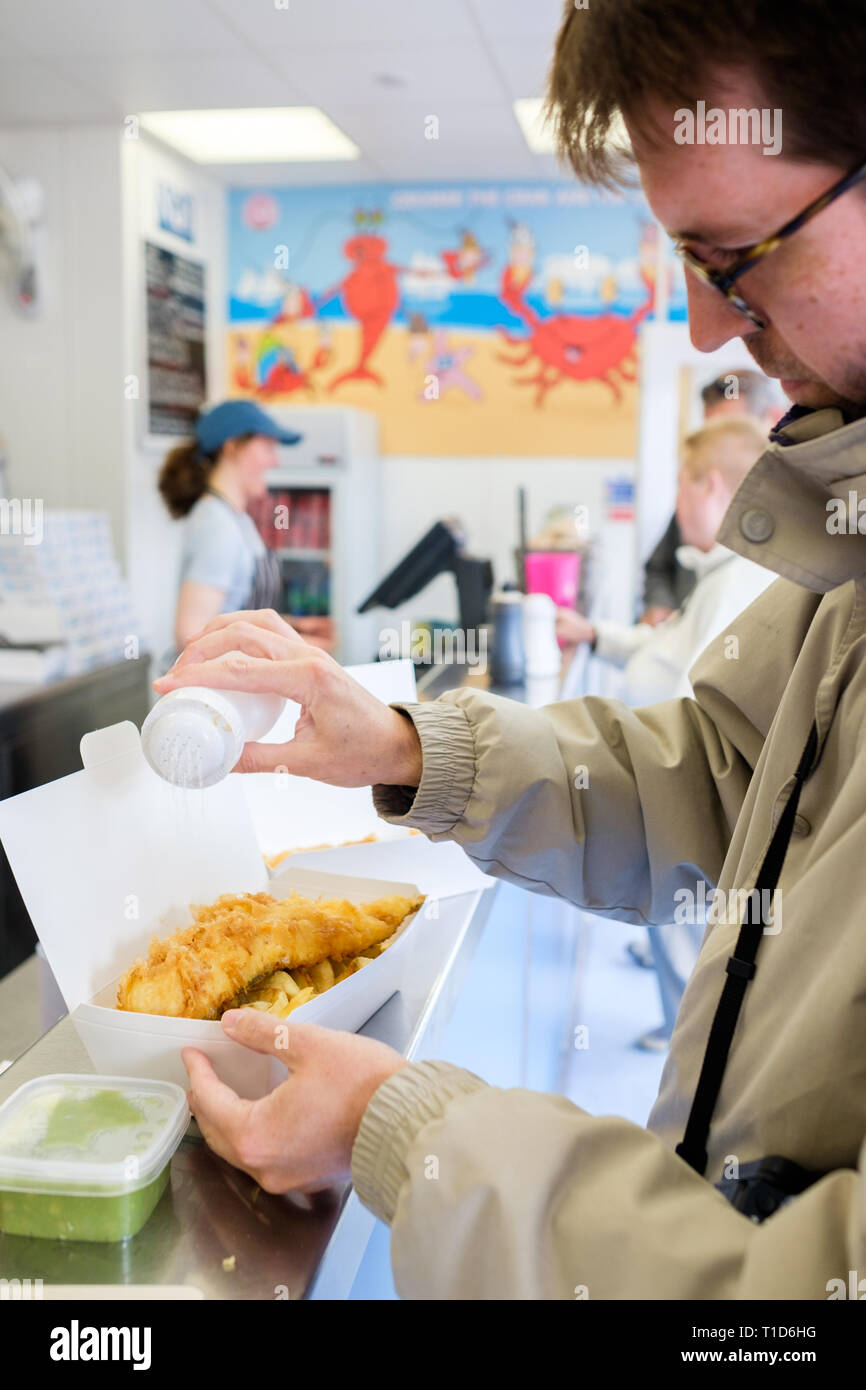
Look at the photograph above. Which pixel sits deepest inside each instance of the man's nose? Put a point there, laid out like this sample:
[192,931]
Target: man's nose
[713,320]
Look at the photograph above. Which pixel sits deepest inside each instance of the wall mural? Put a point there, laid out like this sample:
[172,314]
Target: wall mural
[475,319]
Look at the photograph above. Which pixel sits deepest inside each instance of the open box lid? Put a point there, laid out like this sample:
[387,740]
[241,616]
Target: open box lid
[102,855]
[291,812]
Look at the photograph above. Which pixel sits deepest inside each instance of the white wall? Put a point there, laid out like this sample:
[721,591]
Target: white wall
[61,396]
[482,493]
[71,435]
[153,539]
[667,355]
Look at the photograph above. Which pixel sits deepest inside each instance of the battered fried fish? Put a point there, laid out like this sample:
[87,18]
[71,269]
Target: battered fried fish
[237,940]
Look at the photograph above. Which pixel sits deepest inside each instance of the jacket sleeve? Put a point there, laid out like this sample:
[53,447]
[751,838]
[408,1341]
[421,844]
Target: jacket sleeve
[587,799]
[616,643]
[612,808]
[512,1194]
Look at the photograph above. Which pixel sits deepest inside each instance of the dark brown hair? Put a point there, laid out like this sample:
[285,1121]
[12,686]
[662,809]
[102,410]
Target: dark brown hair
[185,473]
[184,476]
[808,58]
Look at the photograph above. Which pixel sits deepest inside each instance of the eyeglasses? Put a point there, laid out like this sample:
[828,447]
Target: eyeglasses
[724,280]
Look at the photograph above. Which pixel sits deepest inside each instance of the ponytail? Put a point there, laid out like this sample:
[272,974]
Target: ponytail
[184,476]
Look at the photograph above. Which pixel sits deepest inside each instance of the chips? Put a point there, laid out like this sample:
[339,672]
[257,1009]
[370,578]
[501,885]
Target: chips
[273,861]
[283,991]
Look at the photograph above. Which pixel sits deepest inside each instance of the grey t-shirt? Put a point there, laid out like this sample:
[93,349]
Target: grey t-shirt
[220,548]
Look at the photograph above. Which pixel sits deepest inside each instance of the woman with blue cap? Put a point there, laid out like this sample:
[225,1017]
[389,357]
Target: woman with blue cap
[210,481]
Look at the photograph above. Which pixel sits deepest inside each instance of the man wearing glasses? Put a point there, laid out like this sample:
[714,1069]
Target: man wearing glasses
[750,1178]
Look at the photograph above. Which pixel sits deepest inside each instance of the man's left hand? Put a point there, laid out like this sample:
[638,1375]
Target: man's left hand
[300,1136]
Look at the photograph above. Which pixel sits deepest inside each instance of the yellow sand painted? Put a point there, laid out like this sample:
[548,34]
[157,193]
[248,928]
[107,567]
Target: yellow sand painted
[576,419]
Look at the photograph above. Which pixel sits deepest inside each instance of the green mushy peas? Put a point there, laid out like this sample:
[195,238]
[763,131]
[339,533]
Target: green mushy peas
[86,1158]
[63,1216]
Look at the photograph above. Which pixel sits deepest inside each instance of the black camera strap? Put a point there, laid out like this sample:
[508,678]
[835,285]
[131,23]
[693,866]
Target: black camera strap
[740,970]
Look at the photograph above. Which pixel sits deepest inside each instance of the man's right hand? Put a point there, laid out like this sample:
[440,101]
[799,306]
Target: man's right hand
[344,735]
[654,615]
[573,628]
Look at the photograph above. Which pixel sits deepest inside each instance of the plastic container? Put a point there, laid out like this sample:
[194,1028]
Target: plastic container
[509,661]
[193,737]
[543,657]
[553,572]
[86,1157]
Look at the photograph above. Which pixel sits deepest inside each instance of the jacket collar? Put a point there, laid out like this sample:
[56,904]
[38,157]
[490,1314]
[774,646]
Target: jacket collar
[779,516]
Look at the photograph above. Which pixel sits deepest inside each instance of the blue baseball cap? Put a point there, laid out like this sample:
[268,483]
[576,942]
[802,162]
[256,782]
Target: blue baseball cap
[234,418]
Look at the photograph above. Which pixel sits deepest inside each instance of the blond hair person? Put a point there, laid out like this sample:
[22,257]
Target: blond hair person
[656,660]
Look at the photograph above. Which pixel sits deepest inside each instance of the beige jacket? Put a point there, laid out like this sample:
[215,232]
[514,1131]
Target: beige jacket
[537,1199]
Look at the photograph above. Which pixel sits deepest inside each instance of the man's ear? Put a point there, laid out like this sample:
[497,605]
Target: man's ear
[717,483]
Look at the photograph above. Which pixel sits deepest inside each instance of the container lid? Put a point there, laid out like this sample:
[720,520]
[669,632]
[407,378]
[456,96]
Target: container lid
[91,1135]
[192,737]
[187,747]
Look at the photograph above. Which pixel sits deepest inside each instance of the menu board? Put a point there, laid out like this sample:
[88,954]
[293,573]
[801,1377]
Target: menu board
[176,378]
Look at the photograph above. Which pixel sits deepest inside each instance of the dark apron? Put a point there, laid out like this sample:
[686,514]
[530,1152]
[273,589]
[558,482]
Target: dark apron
[267,587]
[266,590]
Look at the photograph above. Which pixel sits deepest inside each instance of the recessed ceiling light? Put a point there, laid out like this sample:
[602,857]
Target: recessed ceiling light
[538,132]
[255,135]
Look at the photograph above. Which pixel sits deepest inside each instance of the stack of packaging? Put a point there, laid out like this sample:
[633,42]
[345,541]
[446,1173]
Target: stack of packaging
[65,608]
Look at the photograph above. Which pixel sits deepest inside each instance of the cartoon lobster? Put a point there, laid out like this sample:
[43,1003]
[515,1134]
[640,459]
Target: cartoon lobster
[370,293]
[571,346]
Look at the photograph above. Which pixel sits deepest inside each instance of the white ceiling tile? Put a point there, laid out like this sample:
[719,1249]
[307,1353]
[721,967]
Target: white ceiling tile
[463,61]
[302,23]
[431,73]
[519,19]
[524,66]
[188,83]
[65,28]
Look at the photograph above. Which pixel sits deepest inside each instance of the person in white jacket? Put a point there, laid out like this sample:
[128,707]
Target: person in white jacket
[656,660]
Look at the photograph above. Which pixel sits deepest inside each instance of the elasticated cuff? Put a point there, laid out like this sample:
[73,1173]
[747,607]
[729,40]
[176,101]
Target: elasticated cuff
[402,1105]
[447,773]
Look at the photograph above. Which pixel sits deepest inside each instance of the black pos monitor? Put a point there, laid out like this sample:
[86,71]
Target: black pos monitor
[438,552]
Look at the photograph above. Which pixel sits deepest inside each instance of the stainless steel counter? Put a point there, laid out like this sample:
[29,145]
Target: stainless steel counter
[283,1247]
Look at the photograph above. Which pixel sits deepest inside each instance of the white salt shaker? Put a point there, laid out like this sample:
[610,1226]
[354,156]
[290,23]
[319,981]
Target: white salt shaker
[193,737]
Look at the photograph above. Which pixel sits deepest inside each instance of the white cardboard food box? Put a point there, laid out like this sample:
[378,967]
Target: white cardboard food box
[299,815]
[294,813]
[112,855]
